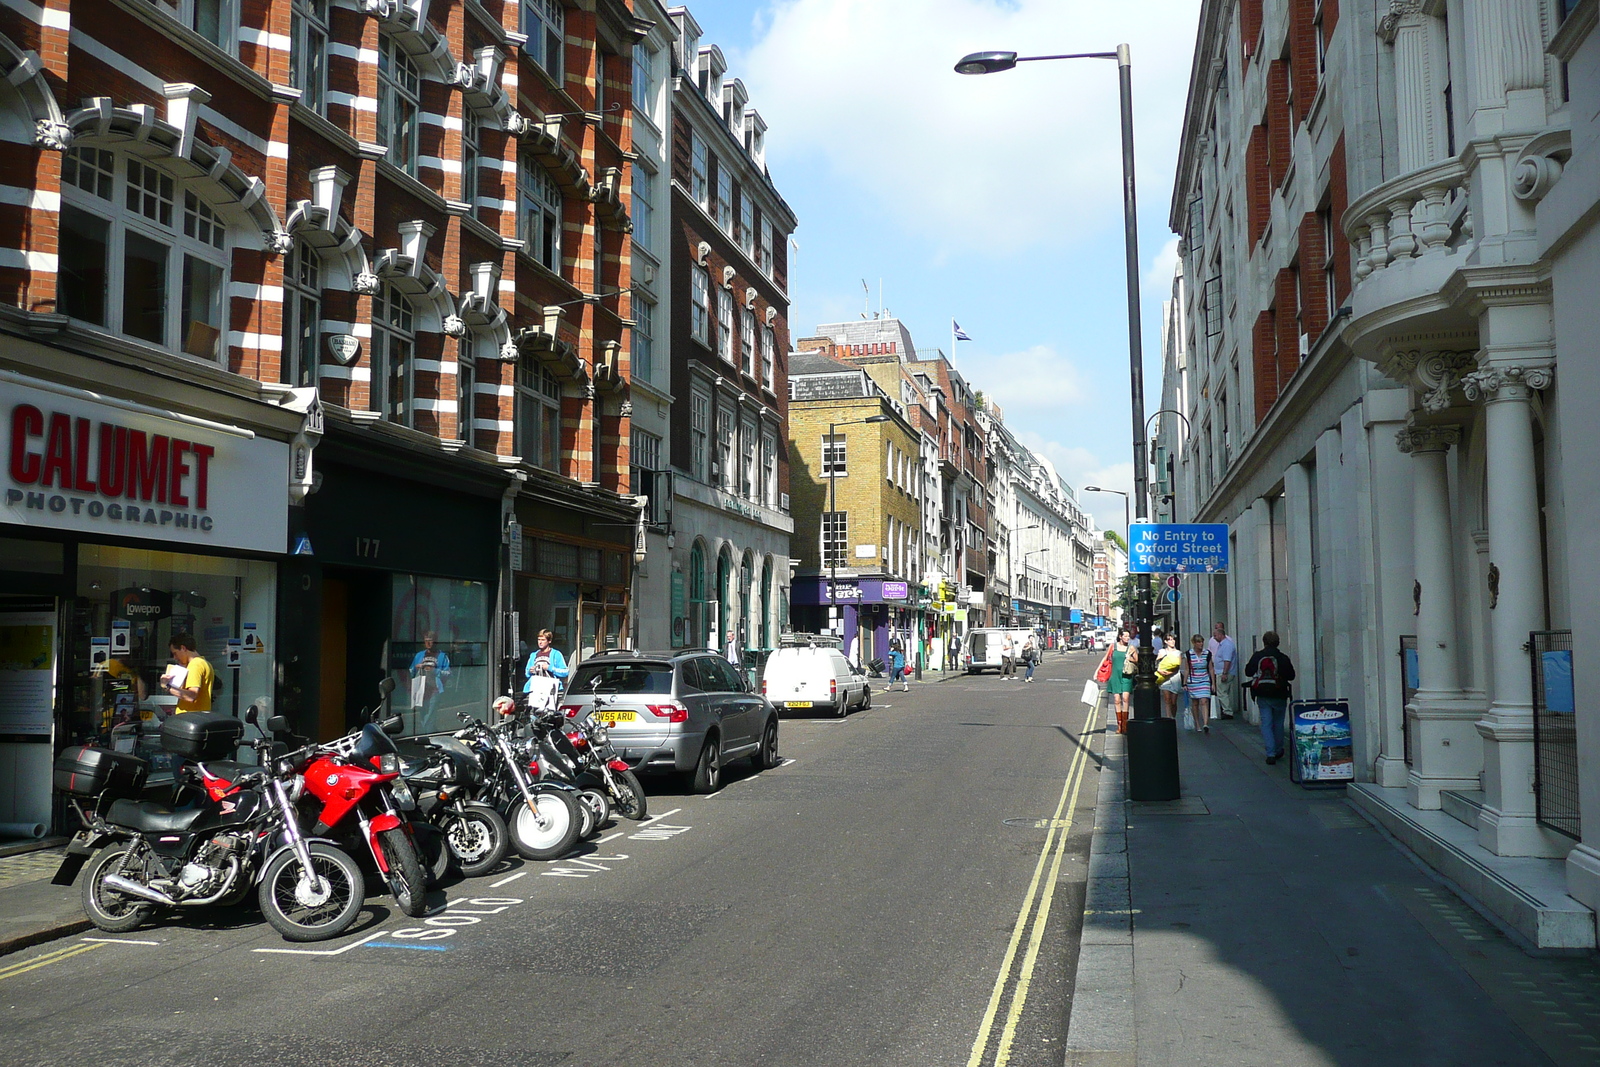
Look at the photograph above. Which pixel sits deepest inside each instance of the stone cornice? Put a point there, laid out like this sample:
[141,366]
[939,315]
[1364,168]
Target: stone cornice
[1476,289]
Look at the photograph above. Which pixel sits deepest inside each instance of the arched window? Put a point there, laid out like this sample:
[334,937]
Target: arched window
[697,595]
[399,98]
[393,340]
[302,315]
[131,238]
[538,416]
[766,603]
[539,213]
[746,599]
[724,595]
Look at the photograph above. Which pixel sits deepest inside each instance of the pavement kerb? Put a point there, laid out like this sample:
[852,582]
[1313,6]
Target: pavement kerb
[43,935]
[1101,1030]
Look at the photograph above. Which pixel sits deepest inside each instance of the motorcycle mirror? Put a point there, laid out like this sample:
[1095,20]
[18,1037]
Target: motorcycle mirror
[276,724]
[392,725]
[250,715]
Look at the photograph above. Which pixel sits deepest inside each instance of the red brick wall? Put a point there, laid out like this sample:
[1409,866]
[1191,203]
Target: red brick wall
[1249,25]
[1258,183]
[1280,137]
[1313,297]
[1264,358]
[1339,200]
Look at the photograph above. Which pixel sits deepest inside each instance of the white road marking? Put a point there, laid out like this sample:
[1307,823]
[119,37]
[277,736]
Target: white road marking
[323,951]
[508,879]
[610,837]
[120,941]
[663,815]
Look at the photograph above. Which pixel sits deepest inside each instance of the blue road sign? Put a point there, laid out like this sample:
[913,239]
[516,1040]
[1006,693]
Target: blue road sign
[1172,596]
[1175,547]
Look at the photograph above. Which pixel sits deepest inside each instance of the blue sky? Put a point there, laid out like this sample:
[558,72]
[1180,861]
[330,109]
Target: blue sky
[993,200]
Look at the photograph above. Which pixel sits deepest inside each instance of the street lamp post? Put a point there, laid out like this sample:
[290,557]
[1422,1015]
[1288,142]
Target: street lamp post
[1152,740]
[833,506]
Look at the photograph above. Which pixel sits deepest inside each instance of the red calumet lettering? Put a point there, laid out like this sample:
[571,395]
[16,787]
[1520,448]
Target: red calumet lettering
[84,456]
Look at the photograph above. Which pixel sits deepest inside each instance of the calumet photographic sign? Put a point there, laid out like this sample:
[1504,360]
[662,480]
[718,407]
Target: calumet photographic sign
[1178,547]
[77,463]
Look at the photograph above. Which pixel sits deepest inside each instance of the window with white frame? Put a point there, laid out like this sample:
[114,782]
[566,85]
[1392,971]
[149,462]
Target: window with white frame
[699,172]
[644,209]
[399,99]
[833,455]
[767,263]
[130,238]
[725,198]
[747,341]
[644,314]
[469,160]
[749,473]
[215,20]
[539,213]
[466,389]
[725,325]
[700,304]
[769,350]
[308,52]
[302,315]
[544,22]
[835,534]
[769,469]
[538,415]
[645,450]
[699,431]
[747,224]
[727,476]
[393,347]
[644,78]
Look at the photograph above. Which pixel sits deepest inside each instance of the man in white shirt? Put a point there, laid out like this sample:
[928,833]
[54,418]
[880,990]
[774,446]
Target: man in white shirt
[1224,653]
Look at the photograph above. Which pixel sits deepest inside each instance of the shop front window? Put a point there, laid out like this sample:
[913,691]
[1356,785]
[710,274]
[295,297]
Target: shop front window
[438,651]
[130,604]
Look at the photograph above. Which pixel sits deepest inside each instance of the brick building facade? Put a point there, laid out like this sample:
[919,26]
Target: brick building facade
[390,241]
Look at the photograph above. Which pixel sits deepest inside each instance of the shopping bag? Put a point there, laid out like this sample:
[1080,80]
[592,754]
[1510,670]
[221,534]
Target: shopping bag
[1091,693]
[419,690]
[1188,720]
[543,693]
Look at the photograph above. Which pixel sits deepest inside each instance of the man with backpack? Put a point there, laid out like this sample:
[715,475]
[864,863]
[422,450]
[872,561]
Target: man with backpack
[1268,675]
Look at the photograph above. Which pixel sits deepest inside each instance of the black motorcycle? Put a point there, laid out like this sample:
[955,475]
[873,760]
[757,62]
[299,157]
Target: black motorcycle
[543,816]
[447,778]
[239,832]
[585,747]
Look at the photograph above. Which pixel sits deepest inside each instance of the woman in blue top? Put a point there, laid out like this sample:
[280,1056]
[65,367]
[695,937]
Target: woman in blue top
[547,657]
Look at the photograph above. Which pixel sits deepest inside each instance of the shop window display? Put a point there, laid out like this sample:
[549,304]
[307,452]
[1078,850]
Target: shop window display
[130,603]
[438,651]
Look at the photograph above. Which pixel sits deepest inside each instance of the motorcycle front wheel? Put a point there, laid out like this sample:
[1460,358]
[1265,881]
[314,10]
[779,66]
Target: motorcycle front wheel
[293,905]
[630,798]
[559,813]
[108,909]
[598,808]
[478,839]
[408,882]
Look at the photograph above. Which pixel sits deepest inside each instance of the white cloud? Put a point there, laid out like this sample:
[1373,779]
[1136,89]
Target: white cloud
[1158,278]
[1033,380]
[1082,466]
[1028,157]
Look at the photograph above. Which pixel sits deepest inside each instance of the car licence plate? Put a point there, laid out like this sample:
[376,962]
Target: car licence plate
[797,703]
[615,716]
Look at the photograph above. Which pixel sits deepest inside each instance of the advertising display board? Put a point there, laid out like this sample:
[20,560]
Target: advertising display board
[1319,735]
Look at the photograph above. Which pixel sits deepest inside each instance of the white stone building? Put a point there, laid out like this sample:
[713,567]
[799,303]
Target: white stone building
[1384,345]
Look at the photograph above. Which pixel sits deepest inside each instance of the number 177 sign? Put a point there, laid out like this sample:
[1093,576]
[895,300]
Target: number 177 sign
[1176,548]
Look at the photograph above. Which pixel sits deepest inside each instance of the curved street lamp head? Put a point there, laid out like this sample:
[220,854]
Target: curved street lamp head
[1093,489]
[986,62]
[876,418]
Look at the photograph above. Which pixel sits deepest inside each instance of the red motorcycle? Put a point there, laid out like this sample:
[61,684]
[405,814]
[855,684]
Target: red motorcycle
[363,805]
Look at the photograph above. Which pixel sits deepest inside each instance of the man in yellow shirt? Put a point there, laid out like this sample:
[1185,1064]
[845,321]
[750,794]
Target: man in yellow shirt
[199,679]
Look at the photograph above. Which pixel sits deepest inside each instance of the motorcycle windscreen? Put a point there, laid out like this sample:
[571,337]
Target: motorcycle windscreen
[372,742]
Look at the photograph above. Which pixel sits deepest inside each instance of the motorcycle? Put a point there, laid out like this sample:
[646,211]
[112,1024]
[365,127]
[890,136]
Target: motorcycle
[242,834]
[585,747]
[551,757]
[448,781]
[543,816]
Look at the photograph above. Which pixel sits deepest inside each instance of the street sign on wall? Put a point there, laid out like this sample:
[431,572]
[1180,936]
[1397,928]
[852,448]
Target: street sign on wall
[1168,547]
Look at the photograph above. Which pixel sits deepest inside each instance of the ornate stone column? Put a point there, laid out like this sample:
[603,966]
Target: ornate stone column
[1445,748]
[1419,66]
[1506,825]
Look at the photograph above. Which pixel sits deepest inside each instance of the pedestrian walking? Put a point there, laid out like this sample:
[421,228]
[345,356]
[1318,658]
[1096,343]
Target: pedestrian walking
[1225,654]
[955,651]
[1268,675]
[1124,662]
[545,670]
[1199,681]
[1008,659]
[898,671]
[1169,674]
[1030,655]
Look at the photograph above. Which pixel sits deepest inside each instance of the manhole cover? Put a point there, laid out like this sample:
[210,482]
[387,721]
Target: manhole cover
[1039,824]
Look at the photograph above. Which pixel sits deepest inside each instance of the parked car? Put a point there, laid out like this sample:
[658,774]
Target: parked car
[688,711]
[1080,642]
[812,677]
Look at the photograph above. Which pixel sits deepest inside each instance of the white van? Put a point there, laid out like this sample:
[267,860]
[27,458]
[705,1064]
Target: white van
[982,648]
[807,678]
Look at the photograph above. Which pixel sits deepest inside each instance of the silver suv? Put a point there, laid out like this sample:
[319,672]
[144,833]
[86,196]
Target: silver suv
[688,711]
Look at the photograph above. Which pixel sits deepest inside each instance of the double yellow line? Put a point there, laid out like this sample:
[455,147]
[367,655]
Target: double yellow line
[44,961]
[1061,826]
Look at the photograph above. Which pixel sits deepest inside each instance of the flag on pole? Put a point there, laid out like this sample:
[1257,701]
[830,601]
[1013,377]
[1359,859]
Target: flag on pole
[957,332]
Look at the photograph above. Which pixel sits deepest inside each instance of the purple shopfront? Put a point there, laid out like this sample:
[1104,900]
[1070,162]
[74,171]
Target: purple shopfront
[864,612]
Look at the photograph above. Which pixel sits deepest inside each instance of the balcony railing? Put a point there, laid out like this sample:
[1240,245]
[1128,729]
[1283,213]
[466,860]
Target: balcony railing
[1415,215]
